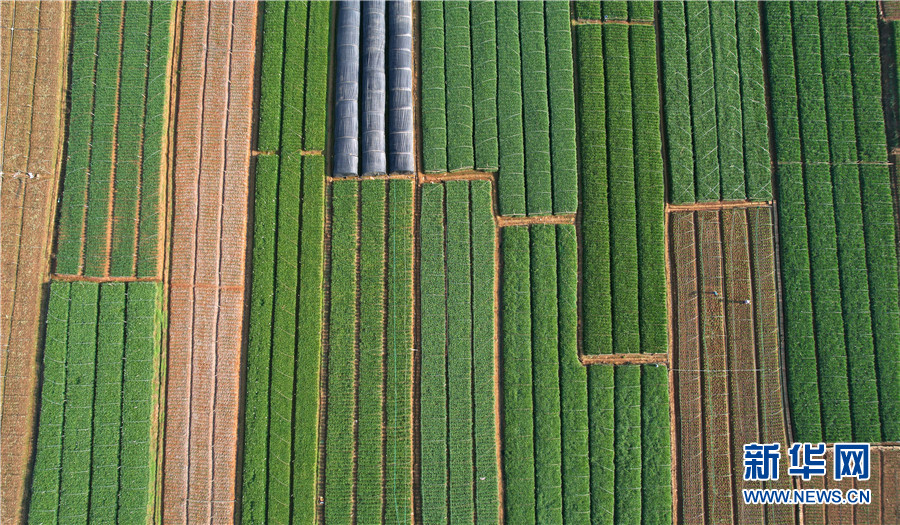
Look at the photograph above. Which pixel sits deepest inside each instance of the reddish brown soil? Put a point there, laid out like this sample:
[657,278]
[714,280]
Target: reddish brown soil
[741,355]
[32,105]
[889,487]
[726,363]
[208,249]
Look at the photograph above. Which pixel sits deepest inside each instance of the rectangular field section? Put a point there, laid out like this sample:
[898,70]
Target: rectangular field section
[366,465]
[458,434]
[497,94]
[836,221]
[209,246]
[726,362]
[31,76]
[96,443]
[111,216]
[623,295]
[580,444]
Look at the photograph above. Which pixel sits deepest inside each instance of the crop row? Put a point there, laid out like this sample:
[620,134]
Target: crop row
[615,10]
[714,101]
[841,315]
[498,95]
[96,446]
[585,424]
[622,191]
[457,397]
[109,219]
[368,452]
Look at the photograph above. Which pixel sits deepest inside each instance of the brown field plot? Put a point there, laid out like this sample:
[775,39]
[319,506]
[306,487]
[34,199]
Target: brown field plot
[883,482]
[33,38]
[725,360]
[209,233]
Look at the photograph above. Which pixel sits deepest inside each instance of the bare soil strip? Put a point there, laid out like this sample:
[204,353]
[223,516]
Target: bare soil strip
[506,220]
[207,266]
[720,205]
[425,178]
[624,359]
[32,107]
[726,369]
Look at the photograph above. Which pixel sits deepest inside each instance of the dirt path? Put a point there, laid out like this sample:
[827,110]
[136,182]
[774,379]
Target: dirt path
[208,251]
[34,39]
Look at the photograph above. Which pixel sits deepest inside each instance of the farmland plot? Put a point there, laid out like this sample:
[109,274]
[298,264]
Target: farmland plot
[206,293]
[111,216]
[634,11]
[622,192]
[31,119]
[726,359]
[714,101]
[584,423]
[839,258]
[96,443]
[366,473]
[498,95]
[281,415]
[459,448]
[884,463]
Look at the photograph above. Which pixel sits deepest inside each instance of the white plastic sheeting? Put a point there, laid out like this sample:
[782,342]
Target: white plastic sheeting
[371,129]
[373,160]
[400,123]
[346,105]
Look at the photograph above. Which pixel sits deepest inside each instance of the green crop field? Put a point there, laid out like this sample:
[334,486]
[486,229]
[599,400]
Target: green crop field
[714,101]
[516,102]
[286,297]
[622,194]
[457,424]
[368,449]
[573,449]
[839,263]
[96,455]
[638,11]
[110,213]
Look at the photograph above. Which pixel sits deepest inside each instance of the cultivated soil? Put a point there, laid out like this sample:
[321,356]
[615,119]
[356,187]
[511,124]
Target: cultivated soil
[33,40]
[209,233]
[726,362]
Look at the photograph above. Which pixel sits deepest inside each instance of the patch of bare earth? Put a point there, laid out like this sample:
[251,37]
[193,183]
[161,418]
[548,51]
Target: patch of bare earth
[209,234]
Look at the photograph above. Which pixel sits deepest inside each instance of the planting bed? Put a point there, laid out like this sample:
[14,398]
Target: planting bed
[836,223]
[885,503]
[206,293]
[33,54]
[459,439]
[498,95]
[633,11]
[714,101]
[585,424]
[111,212]
[622,194]
[96,445]
[366,465]
[285,335]
[726,359]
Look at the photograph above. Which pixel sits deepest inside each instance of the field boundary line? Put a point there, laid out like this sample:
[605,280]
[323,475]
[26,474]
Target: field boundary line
[72,278]
[717,205]
[457,175]
[589,21]
[507,220]
[661,358]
